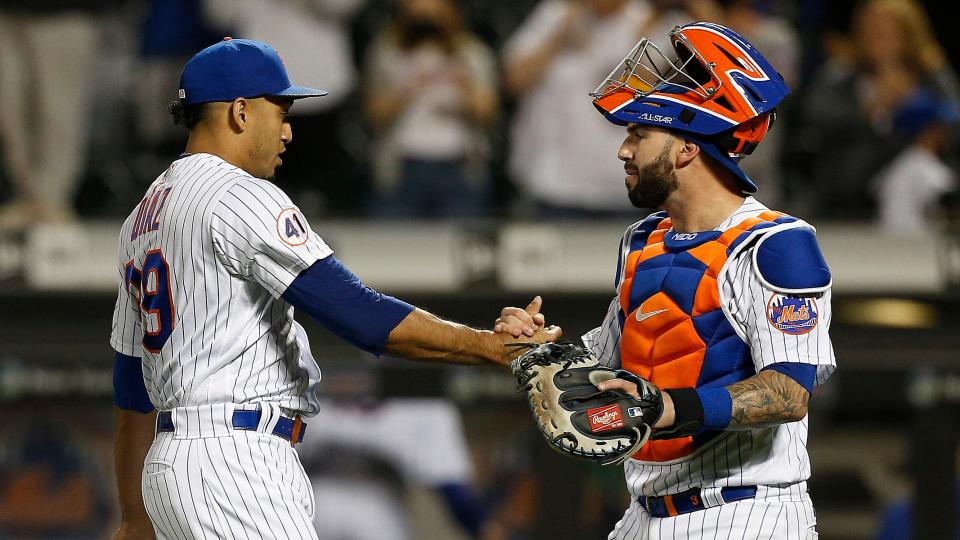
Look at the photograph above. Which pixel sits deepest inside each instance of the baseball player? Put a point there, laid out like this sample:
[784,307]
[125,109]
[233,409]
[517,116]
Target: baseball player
[213,376]
[721,302]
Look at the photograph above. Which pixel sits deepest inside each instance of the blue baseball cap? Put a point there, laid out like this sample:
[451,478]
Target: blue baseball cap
[922,109]
[236,68]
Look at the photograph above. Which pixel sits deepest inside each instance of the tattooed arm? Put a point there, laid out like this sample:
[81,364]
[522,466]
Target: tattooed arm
[767,399]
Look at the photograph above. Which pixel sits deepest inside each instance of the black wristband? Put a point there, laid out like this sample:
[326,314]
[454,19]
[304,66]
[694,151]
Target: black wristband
[688,414]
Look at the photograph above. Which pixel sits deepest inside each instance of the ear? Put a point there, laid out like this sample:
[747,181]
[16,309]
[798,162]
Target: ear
[688,151]
[238,114]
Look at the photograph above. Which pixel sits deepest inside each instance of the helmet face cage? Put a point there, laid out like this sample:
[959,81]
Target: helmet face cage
[710,82]
[712,86]
[647,69]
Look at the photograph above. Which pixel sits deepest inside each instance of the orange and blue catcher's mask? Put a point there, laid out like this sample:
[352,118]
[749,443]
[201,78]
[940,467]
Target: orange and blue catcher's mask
[715,89]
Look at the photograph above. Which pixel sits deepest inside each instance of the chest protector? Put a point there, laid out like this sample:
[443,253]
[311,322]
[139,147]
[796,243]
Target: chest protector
[673,330]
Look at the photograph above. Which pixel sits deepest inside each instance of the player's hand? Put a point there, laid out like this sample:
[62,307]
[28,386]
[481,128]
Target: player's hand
[521,322]
[134,531]
[543,334]
[666,419]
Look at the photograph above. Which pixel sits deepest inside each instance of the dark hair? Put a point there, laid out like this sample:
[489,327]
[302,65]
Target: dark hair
[186,115]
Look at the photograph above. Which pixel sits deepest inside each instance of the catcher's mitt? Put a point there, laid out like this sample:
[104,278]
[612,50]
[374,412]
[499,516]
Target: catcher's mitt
[574,416]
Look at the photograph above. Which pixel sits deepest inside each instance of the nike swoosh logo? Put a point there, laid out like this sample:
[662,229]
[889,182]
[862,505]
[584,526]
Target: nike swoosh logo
[644,316]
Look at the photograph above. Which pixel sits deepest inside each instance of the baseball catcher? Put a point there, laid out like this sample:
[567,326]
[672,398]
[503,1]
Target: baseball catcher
[574,416]
[721,303]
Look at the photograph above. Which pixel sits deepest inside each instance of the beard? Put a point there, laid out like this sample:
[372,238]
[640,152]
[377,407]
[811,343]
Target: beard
[655,182]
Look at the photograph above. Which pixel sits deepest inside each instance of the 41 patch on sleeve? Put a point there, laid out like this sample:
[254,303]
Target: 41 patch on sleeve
[292,227]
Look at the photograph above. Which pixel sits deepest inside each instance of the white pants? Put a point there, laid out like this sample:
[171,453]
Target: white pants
[206,480]
[750,519]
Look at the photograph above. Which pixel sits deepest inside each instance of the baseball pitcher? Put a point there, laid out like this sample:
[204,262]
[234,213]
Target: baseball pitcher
[213,375]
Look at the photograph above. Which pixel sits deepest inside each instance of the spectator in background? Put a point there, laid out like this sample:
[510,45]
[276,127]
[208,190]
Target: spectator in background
[171,32]
[667,14]
[430,90]
[51,484]
[910,186]
[852,99]
[560,154]
[47,52]
[897,520]
[314,36]
[364,457]
[773,35]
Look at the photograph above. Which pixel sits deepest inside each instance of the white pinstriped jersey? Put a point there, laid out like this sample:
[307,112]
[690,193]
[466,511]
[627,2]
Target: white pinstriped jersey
[771,456]
[203,261]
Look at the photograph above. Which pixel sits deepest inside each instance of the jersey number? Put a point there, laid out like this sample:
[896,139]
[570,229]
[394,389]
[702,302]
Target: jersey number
[151,287]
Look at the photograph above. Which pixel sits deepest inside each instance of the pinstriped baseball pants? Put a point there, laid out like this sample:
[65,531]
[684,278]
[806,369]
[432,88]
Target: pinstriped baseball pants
[243,485]
[754,519]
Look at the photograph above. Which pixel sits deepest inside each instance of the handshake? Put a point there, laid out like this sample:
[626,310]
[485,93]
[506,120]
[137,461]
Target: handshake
[582,409]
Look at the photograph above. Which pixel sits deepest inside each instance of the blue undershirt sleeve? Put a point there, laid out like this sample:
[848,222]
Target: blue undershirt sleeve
[804,374]
[718,405]
[129,391]
[337,299]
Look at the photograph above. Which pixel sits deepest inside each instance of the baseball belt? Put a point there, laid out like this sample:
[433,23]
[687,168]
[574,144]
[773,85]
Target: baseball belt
[288,429]
[691,501]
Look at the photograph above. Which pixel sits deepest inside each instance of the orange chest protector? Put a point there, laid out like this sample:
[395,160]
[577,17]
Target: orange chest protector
[673,329]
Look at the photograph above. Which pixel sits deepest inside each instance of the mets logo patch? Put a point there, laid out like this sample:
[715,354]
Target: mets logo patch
[292,227]
[791,315]
[605,418]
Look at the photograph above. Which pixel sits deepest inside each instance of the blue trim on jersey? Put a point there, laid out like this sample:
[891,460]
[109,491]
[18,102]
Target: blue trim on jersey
[337,299]
[129,391]
[791,260]
[717,407]
[804,374]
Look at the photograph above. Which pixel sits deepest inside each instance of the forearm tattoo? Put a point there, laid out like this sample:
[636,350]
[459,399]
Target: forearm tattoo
[767,399]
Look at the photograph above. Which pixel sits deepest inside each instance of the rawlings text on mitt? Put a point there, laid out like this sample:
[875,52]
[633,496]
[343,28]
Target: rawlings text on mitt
[574,416]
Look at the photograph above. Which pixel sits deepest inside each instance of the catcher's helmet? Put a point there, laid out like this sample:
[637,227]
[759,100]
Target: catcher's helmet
[717,90]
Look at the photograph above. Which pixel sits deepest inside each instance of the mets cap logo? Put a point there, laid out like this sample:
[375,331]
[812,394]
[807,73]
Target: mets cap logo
[792,315]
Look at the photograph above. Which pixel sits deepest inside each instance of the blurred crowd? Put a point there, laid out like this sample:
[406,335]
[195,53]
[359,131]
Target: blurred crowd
[458,109]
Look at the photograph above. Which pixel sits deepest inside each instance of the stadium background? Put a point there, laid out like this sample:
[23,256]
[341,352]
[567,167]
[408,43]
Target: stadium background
[884,427]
